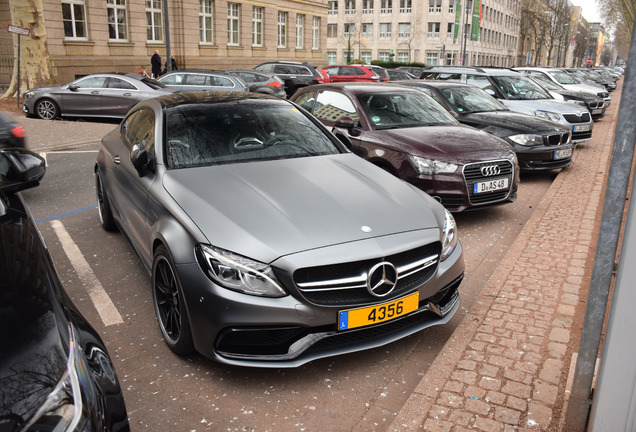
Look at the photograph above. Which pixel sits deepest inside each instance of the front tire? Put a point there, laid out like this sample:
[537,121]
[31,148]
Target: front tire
[46,109]
[167,297]
[103,205]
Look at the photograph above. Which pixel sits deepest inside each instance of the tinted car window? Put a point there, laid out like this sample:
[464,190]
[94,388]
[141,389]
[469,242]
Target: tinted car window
[391,110]
[224,133]
[120,84]
[306,100]
[432,94]
[468,100]
[520,88]
[222,81]
[173,79]
[333,105]
[140,129]
[480,81]
[92,82]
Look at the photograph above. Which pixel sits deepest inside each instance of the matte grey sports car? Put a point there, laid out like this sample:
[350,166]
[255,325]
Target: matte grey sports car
[98,95]
[268,242]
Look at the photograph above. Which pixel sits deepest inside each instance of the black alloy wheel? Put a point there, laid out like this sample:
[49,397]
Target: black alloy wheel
[103,205]
[169,305]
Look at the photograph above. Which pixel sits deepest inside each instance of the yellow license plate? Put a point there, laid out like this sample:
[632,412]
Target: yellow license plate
[365,316]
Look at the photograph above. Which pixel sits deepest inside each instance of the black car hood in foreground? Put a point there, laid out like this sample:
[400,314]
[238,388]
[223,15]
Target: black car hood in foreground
[514,122]
[275,208]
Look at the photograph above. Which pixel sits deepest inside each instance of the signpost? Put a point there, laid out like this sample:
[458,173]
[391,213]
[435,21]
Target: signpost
[20,31]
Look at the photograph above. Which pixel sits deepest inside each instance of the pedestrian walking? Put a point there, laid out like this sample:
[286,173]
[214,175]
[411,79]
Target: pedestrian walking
[155,61]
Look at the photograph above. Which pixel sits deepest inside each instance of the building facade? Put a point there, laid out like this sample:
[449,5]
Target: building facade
[88,36]
[423,31]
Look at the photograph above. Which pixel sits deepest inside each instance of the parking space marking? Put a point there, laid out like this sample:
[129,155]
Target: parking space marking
[102,302]
[70,212]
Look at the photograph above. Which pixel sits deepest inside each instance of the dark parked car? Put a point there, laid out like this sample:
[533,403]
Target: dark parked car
[261,82]
[98,95]
[398,74]
[259,256]
[201,80]
[594,104]
[540,144]
[294,74]
[12,134]
[411,136]
[55,372]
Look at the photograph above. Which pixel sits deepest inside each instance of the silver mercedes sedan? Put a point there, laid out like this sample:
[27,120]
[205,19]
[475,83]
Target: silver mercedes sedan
[268,242]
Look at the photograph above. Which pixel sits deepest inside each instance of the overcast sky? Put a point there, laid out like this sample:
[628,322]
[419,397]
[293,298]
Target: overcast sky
[589,9]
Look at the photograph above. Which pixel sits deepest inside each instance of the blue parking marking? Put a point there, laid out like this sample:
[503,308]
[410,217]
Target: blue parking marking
[59,215]
[344,320]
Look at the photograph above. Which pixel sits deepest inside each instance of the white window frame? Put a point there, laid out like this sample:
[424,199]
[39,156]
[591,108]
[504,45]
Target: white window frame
[367,30]
[367,6]
[332,30]
[74,20]
[386,6]
[315,33]
[349,29]
[450,30]
[433,29]
[300,31]
[432,58]
[402,57]
[385,30]
[366,56]
[206,21]
[233,24]
[117,19]
[333,7]
[404,29]
[332,57]
[434,6]
[257,25]
[282,29]
[405,6]
[384,56]
[350,7]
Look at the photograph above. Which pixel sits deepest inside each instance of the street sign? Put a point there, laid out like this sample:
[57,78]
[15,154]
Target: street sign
[18,30]
[589,60]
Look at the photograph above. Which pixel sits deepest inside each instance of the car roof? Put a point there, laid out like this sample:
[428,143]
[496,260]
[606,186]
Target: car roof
[473,70]
[360,87]
[432,83]
[208,97]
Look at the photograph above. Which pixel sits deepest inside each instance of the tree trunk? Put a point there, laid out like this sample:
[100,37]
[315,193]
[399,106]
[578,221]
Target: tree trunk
[35,62]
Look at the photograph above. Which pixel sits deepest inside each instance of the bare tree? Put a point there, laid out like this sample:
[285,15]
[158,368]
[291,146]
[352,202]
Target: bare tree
[35,62]
[582,39]
[557,22]
[620,15]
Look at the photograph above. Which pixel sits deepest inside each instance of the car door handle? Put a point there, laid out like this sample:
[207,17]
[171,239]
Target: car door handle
[116,160]
[127,94]
[96,92]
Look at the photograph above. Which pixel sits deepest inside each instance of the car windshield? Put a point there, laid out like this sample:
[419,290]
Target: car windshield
[471,100]
[546,82]
[202,134]
[520,88]
[563,78]
[402,110]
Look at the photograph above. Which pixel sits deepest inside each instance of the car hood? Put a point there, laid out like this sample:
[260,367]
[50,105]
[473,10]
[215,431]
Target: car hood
[456,144]
[594,89]
[530,106]
[515,123]
[49,89]
[268,209]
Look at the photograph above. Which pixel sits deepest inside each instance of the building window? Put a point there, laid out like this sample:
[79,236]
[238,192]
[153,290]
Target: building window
[433,30]
[449,30]
[300,31]
[117,22]
[332,30]
[434,6]
[333,7]
[405,6]
[403,57]
[74,17]
[257,26]
[367,6]
[282,29]
[431,59]
[206,20]
[404,29]
[451,7]
[385,30]
[154,19]
[332,57]
[365,56]
[386,6]
[233,20]
[367,30]
[315,33]
[350,7]
[384,56]
[349,29]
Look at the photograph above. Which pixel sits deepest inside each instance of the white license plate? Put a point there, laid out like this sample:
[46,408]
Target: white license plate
[490,186]
[562,154]
[581,128]
[597,111]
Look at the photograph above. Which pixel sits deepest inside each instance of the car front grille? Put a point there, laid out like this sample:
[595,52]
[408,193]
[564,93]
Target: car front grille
[573,118]
[596,104]
[557,139]
[346,284]
[481,172]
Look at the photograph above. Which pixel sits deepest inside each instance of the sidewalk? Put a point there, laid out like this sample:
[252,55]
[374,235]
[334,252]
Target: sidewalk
[507,365]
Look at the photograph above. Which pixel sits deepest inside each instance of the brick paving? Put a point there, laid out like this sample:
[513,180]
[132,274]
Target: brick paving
[506,366]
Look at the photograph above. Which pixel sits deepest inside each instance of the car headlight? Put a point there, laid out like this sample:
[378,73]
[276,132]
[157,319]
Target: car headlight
[449,235]
[552,116]
[239,273]
[67,406]
[431,166]
[28,95]
[527,139]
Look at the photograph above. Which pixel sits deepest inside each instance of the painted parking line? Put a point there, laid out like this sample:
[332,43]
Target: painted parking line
[102,302]
[70,212]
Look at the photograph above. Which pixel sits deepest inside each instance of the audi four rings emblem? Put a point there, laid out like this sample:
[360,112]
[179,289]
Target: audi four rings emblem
[382,279]
[490,170]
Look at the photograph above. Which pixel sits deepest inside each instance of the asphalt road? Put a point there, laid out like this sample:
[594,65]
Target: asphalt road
[360,391]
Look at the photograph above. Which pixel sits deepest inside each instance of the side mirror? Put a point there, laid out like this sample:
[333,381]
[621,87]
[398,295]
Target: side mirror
[73,87]
[139,158]
[20,169]
[344,123]
[491,92]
